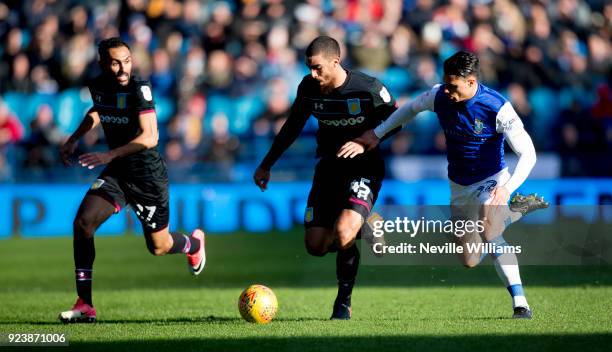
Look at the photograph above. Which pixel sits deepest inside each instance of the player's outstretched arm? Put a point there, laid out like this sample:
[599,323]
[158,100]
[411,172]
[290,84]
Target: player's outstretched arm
[89,122]
[283,140]
[406,113]
[287,135]
[145,140]
[367,141]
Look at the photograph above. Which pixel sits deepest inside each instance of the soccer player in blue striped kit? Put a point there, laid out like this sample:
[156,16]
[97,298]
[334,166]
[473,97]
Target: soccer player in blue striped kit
[476,120]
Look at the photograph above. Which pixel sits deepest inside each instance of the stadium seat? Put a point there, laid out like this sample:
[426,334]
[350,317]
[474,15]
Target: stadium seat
[217,104]
[247,108]
[17,103]
[24,106]
[36,100]
[72,105]
[240,111]
[397,80]
[164,107]
[424,130]
[545,105]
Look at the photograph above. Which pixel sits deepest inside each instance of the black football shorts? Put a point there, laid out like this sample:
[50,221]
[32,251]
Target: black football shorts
[340,184]
[145,191]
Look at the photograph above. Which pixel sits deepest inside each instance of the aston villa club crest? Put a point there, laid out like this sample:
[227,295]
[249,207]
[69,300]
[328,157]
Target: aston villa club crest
[478,126]
[121,101]
[309,214]
[354,106]
[97,184]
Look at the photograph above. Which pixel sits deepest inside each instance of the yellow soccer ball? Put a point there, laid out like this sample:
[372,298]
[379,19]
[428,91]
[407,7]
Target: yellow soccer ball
[258,304]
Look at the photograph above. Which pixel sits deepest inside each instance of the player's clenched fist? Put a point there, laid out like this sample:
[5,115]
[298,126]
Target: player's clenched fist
[261,178]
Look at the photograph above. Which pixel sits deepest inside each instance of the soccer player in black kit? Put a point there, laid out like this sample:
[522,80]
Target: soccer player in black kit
[346,103]
[135,173]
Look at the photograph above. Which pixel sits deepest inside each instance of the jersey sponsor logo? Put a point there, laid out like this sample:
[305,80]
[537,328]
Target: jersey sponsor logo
[121,100]
[354,106]
[120,120]
[97,184]
[309,214]
[343,122]
[361,188]
[384,94]
[452,133]
[146,93]
[478,126]
[507,125]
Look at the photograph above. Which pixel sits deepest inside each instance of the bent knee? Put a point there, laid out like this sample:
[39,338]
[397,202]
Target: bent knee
[346,233]
[493,227]
[158,251]
[317,248]
[83,227]
[317,251]
[471,262]
[318,242]
[470,265]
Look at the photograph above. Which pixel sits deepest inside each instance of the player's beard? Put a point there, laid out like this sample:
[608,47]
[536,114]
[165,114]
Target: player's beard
[125,81]
[326,87]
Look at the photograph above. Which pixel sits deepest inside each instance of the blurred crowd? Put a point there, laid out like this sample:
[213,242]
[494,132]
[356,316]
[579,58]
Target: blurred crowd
[224,73]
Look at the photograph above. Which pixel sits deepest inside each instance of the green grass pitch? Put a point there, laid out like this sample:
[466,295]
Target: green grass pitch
[147,303]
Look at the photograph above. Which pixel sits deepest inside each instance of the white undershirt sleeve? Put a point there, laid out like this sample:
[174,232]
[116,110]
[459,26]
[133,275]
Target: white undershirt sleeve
[408,111]
[510,124]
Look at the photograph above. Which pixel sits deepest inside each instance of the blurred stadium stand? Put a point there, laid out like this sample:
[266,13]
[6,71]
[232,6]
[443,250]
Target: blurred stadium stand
[224,74]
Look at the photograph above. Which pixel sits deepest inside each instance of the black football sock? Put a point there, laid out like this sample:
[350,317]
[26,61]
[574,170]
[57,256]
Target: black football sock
[333,248]
[347,263]
[84,255]
[184,244]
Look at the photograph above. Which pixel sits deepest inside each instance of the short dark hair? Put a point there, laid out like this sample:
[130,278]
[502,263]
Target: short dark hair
[327,46]
[109,43]
[462,64]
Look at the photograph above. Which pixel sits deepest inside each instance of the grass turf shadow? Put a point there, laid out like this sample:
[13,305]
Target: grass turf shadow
[522,342]
[209,319]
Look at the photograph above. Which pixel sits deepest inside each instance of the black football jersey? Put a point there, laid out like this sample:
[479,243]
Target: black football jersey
[360,104]
[119,108]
